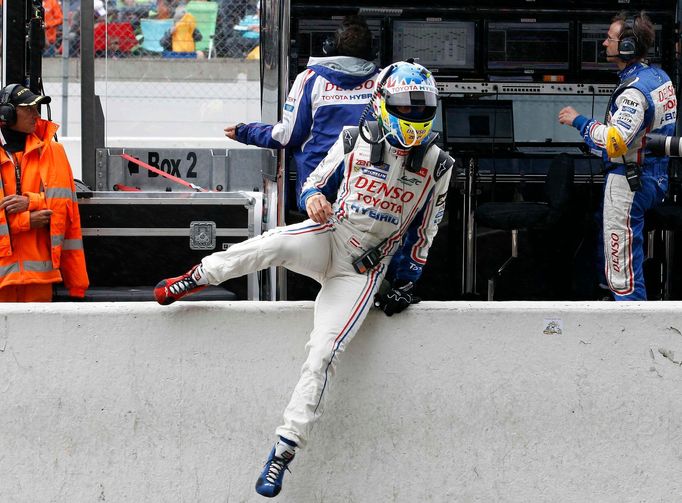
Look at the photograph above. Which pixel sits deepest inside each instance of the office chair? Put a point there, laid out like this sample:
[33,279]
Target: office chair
[537,216]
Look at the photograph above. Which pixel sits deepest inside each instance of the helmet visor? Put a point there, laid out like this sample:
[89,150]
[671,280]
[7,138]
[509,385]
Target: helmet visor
[417,106]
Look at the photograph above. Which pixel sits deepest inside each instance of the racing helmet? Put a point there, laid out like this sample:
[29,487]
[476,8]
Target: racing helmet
[406,103]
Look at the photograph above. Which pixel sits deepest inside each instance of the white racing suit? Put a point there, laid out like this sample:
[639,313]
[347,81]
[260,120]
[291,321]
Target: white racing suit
[375,204]
[644,102]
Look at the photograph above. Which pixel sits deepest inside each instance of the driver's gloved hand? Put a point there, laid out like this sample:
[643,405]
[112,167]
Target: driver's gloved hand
[397,298]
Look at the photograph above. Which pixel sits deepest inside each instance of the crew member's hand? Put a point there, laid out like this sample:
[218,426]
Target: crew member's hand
[14,203]
[231,132]
[318,208]
[397,298]
[40,218]
[567,115]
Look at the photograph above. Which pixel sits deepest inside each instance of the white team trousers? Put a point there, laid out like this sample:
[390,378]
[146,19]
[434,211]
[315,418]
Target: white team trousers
[317,251]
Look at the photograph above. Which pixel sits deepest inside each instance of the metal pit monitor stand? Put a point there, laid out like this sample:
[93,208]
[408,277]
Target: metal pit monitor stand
[475,126]
[469,227]
[493,118]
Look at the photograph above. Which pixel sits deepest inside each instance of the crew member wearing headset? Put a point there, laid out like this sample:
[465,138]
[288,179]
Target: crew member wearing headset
[390,182]
[40,234]
[644,102]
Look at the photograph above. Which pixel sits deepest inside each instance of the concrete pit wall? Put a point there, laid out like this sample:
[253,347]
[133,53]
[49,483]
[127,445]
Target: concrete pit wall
[448,402]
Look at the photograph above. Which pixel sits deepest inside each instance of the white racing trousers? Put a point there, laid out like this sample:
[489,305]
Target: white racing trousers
[319,252]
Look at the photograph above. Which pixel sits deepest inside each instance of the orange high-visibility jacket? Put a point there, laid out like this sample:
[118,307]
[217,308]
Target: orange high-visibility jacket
[41,255]
[53,19]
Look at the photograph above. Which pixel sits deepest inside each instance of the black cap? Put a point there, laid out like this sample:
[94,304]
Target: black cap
[24,97]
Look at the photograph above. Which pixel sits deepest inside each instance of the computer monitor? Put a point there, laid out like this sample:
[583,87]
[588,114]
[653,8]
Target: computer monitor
[528,46]
[479,124]
[437,45]
[593,55]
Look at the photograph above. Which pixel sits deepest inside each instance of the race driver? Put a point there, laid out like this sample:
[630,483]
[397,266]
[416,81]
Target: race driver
[391,183]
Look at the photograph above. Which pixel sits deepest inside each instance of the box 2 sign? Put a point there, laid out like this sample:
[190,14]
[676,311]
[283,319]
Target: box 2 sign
[217,169]
[194,166]
[173,166]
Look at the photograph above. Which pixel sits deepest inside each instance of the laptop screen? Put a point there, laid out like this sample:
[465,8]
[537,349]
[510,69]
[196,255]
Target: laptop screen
[479,122]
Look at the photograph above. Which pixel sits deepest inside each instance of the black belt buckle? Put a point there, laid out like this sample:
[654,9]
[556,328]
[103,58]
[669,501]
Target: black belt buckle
[367,261]
[633,173]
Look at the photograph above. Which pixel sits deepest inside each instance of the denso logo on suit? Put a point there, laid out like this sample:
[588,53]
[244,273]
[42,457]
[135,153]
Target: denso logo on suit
[666,105]
[368,85]
[384,190]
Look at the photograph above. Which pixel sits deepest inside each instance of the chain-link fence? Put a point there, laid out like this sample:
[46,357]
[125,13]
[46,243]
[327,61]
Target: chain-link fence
[161,29]
[166,69]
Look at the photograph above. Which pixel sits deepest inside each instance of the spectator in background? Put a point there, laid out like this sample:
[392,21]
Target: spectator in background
[247,34]
[131,11]
[163,10]
[141,6]
[74,38]
[40,234]
[331,93]
[229,14]
[182,36]
[114,50]
[53,23]
[100,10]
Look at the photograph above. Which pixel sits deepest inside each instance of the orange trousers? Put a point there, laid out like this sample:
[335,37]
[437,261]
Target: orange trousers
[34,292]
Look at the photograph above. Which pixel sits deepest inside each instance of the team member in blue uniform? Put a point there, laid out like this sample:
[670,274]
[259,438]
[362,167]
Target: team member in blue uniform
[644,102]
[331,93]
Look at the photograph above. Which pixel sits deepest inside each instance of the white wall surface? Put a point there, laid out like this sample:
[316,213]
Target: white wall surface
[447,402]
[167,121]
[156,103]
[166,109]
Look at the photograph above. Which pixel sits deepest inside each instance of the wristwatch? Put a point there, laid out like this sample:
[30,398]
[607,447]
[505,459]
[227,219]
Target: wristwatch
[236,128]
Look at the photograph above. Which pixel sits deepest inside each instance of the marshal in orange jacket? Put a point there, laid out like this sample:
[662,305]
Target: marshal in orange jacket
[53,19]
[31,256]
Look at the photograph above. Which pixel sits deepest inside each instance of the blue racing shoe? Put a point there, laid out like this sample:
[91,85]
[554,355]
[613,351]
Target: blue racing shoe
[269,484]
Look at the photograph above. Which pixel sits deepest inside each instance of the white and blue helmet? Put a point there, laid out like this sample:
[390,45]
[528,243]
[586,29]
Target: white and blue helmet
[406,103]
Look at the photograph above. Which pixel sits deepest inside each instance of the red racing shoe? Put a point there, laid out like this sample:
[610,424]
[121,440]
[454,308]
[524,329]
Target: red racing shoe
[169,290]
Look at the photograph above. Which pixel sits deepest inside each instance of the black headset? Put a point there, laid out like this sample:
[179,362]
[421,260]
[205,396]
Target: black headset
[628,45]
[8,112]
[330,45]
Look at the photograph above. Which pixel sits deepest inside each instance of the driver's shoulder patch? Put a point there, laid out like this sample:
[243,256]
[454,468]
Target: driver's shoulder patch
[443,164]
[350,137]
